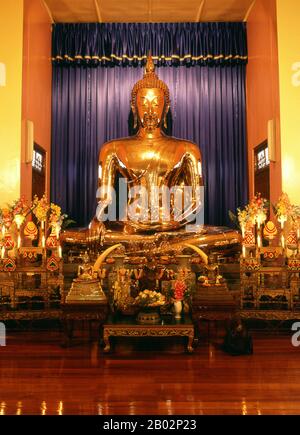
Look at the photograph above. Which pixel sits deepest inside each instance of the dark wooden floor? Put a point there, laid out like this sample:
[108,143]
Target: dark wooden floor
[37,376]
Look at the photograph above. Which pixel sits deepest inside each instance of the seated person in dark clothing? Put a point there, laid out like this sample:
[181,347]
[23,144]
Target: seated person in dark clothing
[237,340]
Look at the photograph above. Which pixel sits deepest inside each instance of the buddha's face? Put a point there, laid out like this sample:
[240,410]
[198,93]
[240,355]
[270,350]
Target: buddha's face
[150,107]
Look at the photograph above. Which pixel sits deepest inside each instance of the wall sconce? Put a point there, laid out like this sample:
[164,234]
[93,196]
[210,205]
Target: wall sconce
[2,74]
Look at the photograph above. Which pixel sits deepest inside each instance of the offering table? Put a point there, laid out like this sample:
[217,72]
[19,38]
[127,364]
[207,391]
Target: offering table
[167,327]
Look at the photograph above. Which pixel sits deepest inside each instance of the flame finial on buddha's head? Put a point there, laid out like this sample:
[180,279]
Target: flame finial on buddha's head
[150,67]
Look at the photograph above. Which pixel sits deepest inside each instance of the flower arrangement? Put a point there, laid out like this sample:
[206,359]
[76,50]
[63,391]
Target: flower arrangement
[149,298]
[253,213]
[257,210]
[284,211]
[20,207]
[20,210]
[55,213]
[48,215]
[41,208]
[16,212]
[243,218]
[180,288]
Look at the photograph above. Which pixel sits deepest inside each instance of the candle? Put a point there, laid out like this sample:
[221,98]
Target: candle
[59,252]
[90,233]
[258,241]
[298,233]
[2,252]
[282,240]
[258,222]
[243,231]
[19,241]
[43,241]
[19,219]
[282,219]
[244,251]
[3,230]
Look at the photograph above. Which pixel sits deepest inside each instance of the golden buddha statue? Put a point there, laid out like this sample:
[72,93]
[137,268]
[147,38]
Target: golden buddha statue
[150,162]
[161,173]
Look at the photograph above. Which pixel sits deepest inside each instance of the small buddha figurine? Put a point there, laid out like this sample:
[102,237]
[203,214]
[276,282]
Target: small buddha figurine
[150,160]
[85,271]
[86,287]
[212,268]
[212,275]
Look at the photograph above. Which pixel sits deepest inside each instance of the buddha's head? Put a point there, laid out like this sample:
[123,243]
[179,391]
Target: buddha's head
[150,100]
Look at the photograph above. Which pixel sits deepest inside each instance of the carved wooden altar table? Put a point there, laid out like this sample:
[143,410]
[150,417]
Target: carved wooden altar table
[168,327]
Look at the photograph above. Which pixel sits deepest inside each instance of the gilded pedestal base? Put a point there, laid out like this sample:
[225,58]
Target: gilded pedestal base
[212,238]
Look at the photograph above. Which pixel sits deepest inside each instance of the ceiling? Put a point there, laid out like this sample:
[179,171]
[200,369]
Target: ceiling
[82,11]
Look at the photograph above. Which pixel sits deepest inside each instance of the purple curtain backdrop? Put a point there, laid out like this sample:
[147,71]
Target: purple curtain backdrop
[91,106]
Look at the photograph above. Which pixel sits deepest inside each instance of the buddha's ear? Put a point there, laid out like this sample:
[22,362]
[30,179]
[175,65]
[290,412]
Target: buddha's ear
[165,116]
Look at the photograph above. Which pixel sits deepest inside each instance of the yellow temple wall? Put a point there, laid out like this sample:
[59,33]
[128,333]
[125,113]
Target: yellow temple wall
[11,46]
[37,78]
[263,88]
[288,12]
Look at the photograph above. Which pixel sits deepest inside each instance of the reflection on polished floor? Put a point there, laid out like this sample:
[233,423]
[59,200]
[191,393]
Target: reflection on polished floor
[37,376]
